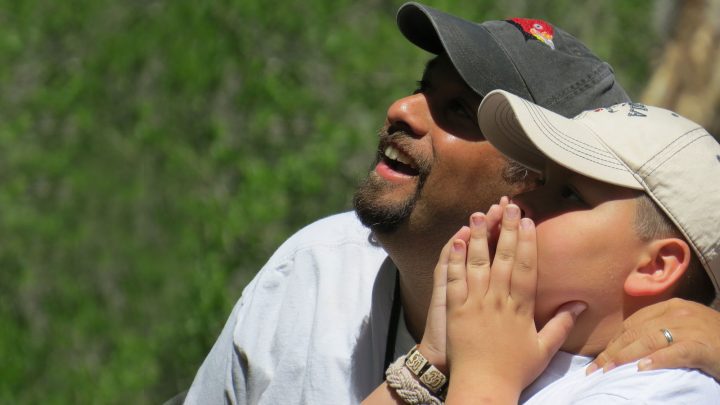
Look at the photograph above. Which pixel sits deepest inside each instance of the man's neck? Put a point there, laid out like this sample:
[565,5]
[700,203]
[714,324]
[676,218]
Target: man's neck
[415,249]
[415,297]
[416,282]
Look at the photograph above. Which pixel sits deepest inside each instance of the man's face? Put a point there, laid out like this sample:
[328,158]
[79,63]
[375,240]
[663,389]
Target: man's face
[434,167]
[587,243]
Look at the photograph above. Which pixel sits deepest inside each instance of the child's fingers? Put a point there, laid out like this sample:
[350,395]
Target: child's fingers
[505,253]
[440,273]
[557,329]
[434,336]
[493,219]
[523,282]
[478,256]
[440,276]
[456,274]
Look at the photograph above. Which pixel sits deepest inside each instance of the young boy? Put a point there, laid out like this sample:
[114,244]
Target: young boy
[627,215]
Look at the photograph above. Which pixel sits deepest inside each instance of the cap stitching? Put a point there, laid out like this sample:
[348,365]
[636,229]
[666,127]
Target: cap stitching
[674,219]
[660,158]
[506,120]
[671,148]
[576,151]
[655,161]
[501,45]
[578,86]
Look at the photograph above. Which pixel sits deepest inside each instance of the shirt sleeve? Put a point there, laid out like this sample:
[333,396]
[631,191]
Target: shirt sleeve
[221,378]
[292,336]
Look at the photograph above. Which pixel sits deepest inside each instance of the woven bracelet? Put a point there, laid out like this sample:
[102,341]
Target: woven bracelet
[429,375]
[407,387]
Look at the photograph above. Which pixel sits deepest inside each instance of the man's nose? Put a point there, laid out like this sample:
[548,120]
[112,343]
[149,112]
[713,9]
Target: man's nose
[410,114]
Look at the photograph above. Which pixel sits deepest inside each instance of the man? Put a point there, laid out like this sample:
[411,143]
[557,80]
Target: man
[338,301]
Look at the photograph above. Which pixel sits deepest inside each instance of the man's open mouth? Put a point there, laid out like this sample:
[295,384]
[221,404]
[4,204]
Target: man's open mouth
[398,160]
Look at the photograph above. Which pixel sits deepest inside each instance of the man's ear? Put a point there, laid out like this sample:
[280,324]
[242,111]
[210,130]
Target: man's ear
[660,267]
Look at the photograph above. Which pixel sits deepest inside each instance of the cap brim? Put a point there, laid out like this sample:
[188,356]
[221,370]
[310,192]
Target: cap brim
[470,47]
[530,134]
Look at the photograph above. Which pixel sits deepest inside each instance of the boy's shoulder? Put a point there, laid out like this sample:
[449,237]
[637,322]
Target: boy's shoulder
[657,386]
[625,384]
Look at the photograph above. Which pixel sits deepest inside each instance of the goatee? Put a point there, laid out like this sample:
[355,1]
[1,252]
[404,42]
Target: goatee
[382,217]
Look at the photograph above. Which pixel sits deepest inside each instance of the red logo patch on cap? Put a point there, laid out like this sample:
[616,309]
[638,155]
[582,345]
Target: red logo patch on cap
[537,29]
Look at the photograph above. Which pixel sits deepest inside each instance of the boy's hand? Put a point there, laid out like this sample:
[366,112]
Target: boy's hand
[433,343]
[494,349]
[696,343]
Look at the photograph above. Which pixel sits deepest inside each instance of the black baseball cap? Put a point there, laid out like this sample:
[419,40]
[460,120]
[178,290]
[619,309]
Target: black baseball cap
[529,58]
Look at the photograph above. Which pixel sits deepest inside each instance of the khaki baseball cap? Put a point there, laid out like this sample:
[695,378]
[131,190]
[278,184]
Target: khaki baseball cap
[674,160]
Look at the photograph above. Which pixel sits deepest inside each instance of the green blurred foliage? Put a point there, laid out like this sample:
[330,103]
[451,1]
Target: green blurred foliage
[154,153]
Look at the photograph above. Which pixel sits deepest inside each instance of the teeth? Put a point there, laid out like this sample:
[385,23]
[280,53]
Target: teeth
[392,153]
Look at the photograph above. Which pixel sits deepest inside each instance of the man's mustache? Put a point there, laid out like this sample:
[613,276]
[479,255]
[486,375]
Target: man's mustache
[408,143]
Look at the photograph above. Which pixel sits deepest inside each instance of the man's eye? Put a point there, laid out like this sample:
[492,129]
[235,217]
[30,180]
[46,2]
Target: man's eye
[568,193]
[457,107]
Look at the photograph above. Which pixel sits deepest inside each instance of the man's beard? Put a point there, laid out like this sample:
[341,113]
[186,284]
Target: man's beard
[516,174]
[383,218]
[387,218]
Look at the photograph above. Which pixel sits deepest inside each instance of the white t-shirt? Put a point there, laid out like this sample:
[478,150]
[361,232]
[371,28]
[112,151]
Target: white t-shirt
[312,326]
[565,382]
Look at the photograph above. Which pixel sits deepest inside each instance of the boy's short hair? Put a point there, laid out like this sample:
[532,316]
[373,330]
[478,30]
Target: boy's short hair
[650,224]
[672,159]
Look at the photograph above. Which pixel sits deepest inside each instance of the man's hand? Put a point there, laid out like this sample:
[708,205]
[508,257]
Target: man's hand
[494,349]
[695,329]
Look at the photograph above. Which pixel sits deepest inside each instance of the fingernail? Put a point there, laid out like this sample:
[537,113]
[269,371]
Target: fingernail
[608,366]
[504,199]
[644,364]
[512,211]
[458,246]
[478,219]
[492,208]
[526,223]
[578,308]
[591,369]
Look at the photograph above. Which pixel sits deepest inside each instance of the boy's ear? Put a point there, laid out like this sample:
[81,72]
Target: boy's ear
[662,265]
